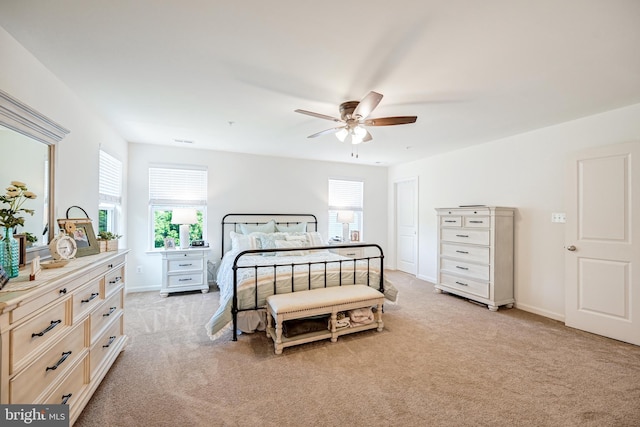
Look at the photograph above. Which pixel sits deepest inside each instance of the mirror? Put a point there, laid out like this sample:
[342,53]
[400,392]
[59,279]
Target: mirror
[27,144]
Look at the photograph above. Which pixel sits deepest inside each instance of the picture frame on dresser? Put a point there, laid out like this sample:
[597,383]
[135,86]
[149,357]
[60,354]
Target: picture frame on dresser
[81,229]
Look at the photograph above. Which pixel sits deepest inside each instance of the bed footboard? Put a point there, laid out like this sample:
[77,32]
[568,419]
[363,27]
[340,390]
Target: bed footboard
[291,276]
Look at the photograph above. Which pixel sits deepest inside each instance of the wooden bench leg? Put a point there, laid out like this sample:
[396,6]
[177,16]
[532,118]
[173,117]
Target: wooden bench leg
[333,322]
[379,316]
[278,341]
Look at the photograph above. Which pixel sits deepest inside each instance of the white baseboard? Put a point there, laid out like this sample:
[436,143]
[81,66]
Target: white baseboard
[426,278]
[539,311]
[148,288]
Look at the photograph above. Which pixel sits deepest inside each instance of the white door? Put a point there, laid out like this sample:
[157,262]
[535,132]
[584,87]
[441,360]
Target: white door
[603,242]
[407,226]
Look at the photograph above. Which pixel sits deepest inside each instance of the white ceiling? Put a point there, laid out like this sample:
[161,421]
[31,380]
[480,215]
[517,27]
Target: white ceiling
[228,74]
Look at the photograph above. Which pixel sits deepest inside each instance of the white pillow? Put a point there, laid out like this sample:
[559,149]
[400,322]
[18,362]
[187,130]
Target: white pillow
[293,228]
[268,227]
[290,244]
[315,239]
[240,242]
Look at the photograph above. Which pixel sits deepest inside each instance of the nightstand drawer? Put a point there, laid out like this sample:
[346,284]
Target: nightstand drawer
[185,264]
[180,280]
[351,252]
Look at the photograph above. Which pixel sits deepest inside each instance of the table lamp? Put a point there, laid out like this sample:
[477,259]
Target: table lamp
[185,217]
[345,217]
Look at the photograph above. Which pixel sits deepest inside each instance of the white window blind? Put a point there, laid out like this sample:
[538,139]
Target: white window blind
[110,179]
[177,186]
[345,195]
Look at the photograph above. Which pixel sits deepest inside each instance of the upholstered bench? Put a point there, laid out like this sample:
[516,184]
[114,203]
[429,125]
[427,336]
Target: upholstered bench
[323,301]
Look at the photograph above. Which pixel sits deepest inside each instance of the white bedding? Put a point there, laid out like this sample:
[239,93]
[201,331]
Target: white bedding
[250,321]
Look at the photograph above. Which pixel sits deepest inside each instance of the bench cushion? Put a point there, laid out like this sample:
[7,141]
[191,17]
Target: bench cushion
[323,297]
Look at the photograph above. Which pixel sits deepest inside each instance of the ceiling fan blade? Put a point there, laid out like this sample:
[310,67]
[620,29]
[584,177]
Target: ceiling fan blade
[367,104]
[367,137]
[326,132]
[390,121]
[318,115]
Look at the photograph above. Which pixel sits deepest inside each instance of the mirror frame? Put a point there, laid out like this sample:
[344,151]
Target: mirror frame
[19,117]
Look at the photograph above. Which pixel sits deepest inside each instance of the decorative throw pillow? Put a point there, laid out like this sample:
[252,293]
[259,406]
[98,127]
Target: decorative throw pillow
[240,242]
[267,241]
[268,227]
[291,244]
[293,228]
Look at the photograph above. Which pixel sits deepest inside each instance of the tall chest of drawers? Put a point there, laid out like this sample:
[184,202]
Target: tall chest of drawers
[475,254]
[60,334]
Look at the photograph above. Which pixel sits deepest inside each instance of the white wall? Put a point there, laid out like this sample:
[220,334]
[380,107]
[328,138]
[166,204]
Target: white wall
[243,183]
[524,171]
[25,78]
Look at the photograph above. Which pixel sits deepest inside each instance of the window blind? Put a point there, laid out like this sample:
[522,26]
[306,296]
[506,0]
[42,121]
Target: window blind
[110,179]
[345,195]
[177,186]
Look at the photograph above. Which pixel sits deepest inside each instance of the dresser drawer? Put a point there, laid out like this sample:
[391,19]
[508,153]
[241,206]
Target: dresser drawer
[37,333]
[479,254]
[29,383]
[86,298]
[185,263]
[190,279]
[27,308]
[104,314]
[112,280]
[476,271]
[451,221]
[476,221]
[71,388]
[466,285]
[105,344]
[476,237]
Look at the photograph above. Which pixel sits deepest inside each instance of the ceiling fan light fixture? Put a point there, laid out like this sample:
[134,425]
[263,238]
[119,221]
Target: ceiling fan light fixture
[358,134]
[342,134]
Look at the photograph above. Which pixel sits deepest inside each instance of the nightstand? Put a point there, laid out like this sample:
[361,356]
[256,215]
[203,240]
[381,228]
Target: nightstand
[348,252]
[184,270]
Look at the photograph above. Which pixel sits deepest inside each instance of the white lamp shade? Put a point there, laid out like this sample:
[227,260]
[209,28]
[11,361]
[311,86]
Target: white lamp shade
[184,216]
[345,217]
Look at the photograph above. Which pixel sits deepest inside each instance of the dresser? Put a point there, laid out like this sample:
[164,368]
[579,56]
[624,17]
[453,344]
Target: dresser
[61,333]
[475,254]
[184,270]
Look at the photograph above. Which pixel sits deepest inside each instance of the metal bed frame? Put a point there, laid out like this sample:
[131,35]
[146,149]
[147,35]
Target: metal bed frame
[251,219]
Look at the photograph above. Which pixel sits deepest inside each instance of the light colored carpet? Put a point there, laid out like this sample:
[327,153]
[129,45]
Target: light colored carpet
[441,361]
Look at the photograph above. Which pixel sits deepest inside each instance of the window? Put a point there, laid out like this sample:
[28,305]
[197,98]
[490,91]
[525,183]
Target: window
[176,187]
[345,195]
[110,193]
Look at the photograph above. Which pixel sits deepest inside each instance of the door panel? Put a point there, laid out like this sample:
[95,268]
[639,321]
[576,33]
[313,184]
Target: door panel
[406,226]
[602,235]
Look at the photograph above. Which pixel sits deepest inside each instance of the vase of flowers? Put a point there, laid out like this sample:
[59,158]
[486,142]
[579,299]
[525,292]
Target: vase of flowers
[10,218]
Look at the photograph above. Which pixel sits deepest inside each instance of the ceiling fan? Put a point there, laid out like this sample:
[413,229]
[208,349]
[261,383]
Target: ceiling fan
[354,116]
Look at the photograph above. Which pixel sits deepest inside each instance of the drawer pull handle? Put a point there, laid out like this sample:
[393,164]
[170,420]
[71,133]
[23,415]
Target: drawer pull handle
[185,280]
[63,291]
[462,284]
[115,280]
[462,268]
[66,398]
[476,222]
[53,324]
[93,295]
[450,220]
[110,266]
[462,235]
[111,340]
[60,362]
[462,252]
[111,310]
[185,265]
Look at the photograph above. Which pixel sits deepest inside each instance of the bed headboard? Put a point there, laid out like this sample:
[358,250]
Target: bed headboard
[232,222]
